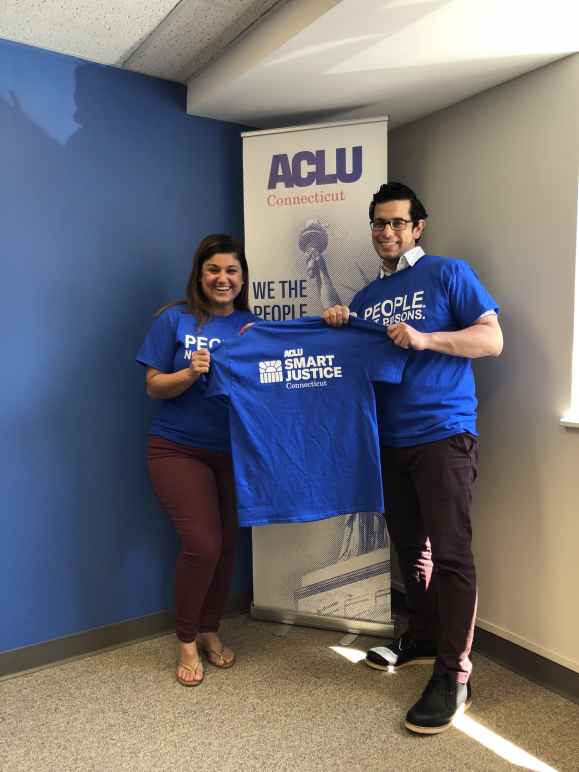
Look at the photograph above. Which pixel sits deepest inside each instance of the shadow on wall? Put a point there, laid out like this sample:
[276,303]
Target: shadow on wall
[96,235]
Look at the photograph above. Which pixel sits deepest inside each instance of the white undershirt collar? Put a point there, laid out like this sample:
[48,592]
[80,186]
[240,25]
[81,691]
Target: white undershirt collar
[407,260]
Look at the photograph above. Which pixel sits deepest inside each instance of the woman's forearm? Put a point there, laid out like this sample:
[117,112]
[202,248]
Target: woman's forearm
[170,385]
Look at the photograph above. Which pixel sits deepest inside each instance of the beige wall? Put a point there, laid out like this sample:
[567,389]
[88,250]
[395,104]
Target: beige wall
[498,174]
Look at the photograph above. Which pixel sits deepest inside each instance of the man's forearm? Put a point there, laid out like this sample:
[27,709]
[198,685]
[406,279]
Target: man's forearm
[480,340]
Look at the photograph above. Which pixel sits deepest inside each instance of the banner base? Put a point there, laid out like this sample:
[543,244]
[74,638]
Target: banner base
[303,619]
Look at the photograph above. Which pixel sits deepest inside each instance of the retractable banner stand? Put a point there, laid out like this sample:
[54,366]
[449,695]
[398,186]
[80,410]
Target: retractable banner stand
[306,196]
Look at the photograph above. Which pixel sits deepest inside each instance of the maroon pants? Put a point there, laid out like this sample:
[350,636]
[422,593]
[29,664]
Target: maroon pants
[427,497]
[196,490]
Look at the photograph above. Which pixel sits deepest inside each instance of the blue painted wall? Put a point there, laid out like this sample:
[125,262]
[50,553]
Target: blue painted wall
[106,185]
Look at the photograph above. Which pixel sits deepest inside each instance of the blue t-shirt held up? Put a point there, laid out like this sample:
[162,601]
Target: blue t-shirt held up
[190,418]
[304,435]
[436,397]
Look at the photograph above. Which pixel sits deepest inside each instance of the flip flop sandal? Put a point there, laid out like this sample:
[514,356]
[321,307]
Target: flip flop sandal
[217,659]
[193,670]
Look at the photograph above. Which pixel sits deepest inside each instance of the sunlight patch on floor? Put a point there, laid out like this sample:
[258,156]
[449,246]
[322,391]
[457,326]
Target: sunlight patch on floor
[486,737]
[503,748]
[353,655]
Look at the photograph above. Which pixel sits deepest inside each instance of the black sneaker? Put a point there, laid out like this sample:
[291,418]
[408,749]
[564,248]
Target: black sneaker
[400,653]
[441,701]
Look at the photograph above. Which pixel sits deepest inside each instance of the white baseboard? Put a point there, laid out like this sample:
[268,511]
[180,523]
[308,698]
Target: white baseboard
[529,645]
[524,643]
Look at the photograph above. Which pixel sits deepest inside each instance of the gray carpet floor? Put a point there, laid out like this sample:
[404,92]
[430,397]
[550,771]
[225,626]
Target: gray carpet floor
[290,703]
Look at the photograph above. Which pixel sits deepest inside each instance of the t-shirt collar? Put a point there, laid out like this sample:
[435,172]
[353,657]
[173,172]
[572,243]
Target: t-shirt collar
[407,260]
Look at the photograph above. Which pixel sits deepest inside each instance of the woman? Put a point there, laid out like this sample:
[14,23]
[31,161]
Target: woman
[188,449]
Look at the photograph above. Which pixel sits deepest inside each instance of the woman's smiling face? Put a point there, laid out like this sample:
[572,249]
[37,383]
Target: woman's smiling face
[221,281]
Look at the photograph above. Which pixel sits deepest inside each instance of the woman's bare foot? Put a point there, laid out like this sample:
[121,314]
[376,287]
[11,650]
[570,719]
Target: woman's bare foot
[218,654]
[190,668]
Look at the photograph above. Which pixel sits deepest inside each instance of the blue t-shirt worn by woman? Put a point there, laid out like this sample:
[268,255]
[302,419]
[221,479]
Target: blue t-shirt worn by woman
[436,398]
[191,418]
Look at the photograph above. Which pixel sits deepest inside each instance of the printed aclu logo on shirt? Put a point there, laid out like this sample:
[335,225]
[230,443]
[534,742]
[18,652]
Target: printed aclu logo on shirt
[300,371]
[270,371]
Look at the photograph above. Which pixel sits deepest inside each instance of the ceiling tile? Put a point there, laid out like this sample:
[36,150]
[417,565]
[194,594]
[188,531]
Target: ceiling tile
[97,30]
[195,33]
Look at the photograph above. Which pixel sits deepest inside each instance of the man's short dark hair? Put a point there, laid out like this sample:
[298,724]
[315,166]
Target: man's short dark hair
[396,191]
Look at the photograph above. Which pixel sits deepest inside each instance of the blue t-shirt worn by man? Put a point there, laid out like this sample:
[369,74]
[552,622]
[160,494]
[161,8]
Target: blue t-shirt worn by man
[304,435]
[436,398]
[190,418]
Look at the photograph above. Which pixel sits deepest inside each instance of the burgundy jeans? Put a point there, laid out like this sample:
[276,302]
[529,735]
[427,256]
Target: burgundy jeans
[427,497]
[196,490]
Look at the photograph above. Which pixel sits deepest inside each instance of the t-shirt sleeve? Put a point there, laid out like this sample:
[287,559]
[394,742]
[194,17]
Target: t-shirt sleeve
[158,348]
[218,380]
[356,304]
[382,359]
[468,297]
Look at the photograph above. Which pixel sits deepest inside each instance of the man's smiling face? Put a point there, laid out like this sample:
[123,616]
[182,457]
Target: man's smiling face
[391,244]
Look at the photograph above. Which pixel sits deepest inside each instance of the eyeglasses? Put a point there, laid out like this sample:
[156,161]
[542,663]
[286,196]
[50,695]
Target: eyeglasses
[397,224]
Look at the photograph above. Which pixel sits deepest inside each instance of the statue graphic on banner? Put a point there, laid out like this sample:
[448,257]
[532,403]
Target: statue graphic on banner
[313,242]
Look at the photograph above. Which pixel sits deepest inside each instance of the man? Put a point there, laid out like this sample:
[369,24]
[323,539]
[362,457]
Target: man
[437,308]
